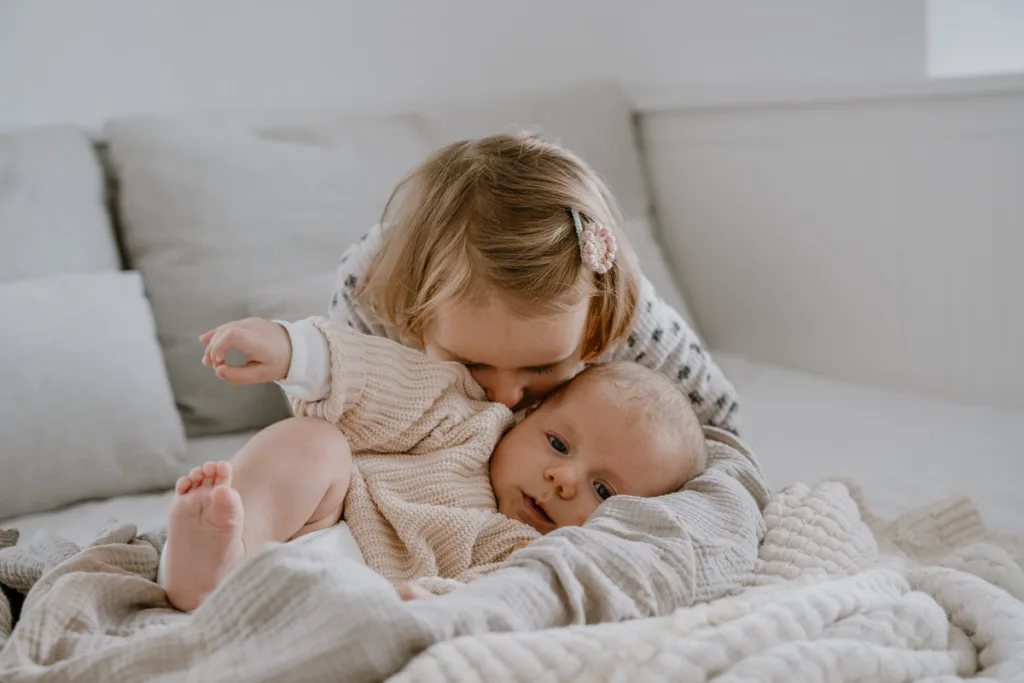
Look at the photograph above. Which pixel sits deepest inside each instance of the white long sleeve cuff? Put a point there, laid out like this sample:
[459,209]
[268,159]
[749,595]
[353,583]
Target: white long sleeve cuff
[309,375]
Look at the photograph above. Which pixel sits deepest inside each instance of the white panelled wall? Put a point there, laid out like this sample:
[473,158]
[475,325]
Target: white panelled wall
[875,241]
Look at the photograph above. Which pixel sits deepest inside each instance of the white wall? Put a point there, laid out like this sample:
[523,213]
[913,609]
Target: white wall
[88,61]
[751,184]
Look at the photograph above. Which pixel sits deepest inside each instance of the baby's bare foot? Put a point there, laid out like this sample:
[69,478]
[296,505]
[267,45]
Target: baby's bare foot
[204,534]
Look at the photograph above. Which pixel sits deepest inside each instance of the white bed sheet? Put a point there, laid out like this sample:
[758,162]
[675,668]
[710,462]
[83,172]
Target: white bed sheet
[905,450]
[80,523]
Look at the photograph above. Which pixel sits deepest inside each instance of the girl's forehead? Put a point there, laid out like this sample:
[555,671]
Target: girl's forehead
[489,334]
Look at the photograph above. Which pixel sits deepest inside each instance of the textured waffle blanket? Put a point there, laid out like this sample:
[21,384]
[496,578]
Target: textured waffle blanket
[835,594]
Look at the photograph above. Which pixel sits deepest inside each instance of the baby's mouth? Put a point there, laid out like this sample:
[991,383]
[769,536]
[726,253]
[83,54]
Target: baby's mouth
[536,508]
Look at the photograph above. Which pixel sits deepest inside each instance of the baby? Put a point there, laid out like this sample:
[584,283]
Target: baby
[437,484]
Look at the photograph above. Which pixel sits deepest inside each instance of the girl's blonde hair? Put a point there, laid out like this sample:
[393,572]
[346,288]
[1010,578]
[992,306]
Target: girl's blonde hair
[492,218]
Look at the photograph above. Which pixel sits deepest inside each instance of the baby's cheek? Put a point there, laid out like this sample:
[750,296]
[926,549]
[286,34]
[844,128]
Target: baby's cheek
[583,512]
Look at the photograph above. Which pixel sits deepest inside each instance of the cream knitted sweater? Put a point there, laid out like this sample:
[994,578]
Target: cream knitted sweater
[421,432]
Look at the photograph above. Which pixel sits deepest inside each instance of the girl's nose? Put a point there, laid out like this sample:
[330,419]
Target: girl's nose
[505,389]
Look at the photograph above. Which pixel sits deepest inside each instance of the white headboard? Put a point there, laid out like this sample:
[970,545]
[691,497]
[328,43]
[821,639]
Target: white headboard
[880,241]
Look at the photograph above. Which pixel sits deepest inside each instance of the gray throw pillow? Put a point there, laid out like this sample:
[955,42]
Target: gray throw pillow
[212,213]
[86,410]
[52,213]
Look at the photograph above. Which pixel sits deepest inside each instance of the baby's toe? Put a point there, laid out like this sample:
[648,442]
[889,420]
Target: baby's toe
[209,473]
[223,474]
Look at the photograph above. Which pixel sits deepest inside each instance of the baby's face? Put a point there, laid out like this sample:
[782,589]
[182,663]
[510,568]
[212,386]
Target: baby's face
[575,451]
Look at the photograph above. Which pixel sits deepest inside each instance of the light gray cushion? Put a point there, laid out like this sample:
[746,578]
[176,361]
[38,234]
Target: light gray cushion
[52,213]
[216,212]
[213,211]
[300,298]
[657,268]
[86,410]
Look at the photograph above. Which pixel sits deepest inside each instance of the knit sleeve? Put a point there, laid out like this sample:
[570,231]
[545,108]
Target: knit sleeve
[661,340]
[493,545]
[634,558]
[345,309]
[386,396]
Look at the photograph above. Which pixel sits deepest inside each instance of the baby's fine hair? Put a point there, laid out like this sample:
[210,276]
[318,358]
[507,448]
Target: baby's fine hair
[657,405]
[491,219]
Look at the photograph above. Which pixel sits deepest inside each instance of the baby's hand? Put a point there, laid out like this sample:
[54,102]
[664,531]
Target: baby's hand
[264,344]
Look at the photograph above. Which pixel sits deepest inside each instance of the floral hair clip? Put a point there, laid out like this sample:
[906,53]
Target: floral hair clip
[597,244]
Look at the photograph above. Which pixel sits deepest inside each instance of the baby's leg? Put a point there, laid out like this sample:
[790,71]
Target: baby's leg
[290,479]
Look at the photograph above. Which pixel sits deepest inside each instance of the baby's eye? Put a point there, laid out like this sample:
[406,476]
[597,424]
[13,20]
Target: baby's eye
[603,492]
[558,445]
[543,371]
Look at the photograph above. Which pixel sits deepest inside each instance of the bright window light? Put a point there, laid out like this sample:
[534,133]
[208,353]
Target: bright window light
[975,38]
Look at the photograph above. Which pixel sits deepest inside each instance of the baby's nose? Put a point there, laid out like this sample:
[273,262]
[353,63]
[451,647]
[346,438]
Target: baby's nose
[561,478]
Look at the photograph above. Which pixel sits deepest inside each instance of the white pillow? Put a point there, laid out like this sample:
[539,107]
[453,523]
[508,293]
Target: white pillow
[86,410]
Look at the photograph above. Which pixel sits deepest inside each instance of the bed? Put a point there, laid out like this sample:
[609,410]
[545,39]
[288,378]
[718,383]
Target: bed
[905,450]
[911,569]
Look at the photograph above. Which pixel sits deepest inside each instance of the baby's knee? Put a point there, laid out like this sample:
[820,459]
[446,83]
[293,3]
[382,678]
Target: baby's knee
[315,442]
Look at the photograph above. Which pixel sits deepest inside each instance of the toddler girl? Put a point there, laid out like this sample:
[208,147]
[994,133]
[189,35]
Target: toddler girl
[477,259]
